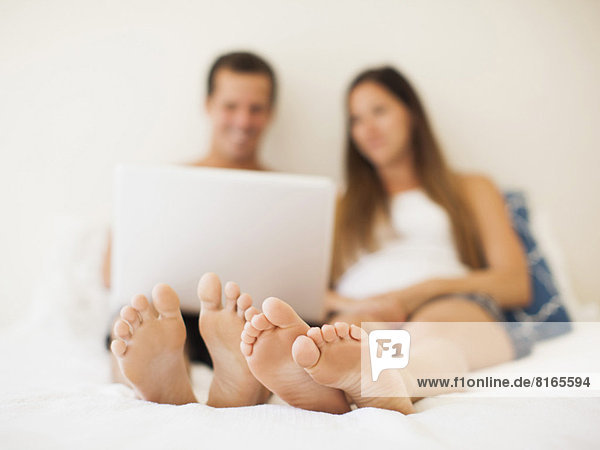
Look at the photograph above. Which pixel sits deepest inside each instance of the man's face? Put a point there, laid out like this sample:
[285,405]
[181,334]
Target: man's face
[240,110]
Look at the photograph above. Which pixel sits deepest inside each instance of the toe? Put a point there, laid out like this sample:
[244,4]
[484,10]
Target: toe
[244,302]
[250,313]
[209,292]
[143,307]
[342,329]
[165,301]
[329,333]
[118,347]
[122,330]
[280,313]
[247,338]
[249,333]
[305,352]
[250,330]
[232,292]
[246,349]
[356,332]
[131,316]
[315,334]
[260,322]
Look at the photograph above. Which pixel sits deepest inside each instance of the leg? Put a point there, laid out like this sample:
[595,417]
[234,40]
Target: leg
[149,348]
[440,348]
[473,341]
[233,384]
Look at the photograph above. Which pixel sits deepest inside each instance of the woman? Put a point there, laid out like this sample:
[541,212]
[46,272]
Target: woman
[420,240]
[416,242]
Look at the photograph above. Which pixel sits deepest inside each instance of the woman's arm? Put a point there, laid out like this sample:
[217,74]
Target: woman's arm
[506,277]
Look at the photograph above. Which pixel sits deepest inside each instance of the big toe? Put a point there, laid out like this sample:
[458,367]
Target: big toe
[280,313]
[305,352]
[209,291]
[165,300]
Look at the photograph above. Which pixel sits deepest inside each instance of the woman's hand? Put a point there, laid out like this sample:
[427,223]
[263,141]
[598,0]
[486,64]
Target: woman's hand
[388,307]
[403,302]
[334,302]
[343,309]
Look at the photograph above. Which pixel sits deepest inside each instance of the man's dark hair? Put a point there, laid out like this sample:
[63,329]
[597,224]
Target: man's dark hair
[242,62]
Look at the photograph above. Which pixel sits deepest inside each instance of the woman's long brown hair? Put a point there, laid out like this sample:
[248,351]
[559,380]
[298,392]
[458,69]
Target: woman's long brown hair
[365,202]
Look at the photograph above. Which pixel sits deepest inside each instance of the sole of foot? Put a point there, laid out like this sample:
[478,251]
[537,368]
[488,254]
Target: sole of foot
[148,346]
[267,345]
[221,327]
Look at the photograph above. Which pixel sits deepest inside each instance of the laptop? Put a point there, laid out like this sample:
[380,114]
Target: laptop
[269,232]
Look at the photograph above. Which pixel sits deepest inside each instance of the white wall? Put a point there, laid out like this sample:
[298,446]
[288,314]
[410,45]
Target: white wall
[512,88]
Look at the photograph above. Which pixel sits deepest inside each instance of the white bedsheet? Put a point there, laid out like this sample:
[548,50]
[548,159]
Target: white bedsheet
[55,393]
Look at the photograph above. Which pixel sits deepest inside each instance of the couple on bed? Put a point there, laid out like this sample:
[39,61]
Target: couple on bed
[414,242]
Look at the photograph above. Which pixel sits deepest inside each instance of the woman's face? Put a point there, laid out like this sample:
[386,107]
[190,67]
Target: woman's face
[380,124]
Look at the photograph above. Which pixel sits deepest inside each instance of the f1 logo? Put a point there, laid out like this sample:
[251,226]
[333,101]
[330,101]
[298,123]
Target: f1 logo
[388,349]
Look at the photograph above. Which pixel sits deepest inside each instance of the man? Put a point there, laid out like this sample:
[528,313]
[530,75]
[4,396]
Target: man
[241,91]
[240,96]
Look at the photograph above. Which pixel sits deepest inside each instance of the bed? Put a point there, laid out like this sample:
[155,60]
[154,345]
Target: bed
[56,392]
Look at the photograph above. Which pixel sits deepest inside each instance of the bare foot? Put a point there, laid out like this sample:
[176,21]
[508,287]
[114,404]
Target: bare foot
[331,356]
[233,384]
[149,348]
[267,342]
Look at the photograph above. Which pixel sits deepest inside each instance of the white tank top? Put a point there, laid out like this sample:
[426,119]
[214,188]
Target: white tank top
[422,248]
